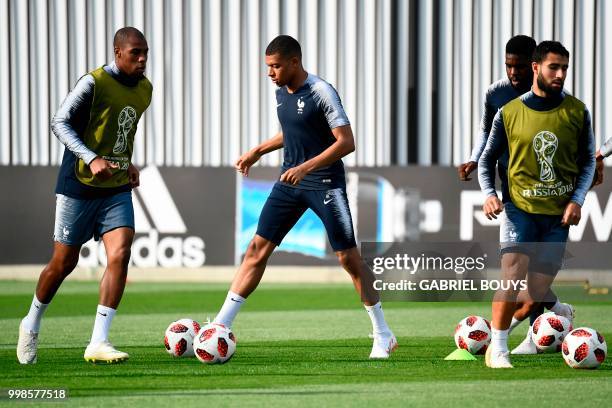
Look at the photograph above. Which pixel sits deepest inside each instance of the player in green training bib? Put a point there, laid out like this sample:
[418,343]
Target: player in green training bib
[548,137]
[96,123]
[115,112]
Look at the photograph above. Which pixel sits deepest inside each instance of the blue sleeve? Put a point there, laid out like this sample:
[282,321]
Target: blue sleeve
[329,100]
[497,144]
[485,127]
[62,123]
[586,161]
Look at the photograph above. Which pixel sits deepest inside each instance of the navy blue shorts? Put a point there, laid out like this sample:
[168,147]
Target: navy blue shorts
[542,237]
[285,206]
[77,220]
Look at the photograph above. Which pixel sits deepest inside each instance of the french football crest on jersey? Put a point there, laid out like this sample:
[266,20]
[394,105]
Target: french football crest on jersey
[300,106]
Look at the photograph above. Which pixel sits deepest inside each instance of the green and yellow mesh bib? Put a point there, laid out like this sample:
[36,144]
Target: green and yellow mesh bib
[114,115]
[543,147]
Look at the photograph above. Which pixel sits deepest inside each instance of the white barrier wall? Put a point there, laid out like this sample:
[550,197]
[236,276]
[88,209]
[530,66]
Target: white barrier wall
[411,73]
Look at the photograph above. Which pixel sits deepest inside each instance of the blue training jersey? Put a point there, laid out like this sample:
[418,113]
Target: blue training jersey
[307,118]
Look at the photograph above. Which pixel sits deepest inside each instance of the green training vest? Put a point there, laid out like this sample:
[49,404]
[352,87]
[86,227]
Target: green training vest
[543,149]
[115,112]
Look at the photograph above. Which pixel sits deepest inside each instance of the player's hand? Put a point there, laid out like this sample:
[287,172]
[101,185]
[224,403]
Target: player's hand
[571,215]
[102,169]
[294,175]
[133,176]
[465,169]
[492,207]
[599,170]
[244,163]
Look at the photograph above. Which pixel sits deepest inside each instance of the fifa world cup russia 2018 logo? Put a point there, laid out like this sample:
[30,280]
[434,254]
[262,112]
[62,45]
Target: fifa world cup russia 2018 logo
[545,144]
[127,118]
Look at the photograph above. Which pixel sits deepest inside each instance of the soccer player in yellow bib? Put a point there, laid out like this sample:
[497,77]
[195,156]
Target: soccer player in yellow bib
[519,77]
[550,142]
[96,123]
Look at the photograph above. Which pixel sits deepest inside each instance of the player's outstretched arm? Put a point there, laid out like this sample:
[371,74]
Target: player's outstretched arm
[244,162]
[344,144]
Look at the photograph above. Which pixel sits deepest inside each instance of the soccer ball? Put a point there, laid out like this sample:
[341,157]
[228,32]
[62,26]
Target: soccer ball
[584,348]
[473,334]
[179,337]
[214,344]
[548,332]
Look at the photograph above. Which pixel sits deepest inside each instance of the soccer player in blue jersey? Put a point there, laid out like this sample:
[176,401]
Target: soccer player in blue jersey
[96,123]
[315,134]
[519,51]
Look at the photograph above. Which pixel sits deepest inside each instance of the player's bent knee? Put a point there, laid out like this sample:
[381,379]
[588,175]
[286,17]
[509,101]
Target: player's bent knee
[64,264]
[344,259]
[120,256]
[258,251]
[349,259]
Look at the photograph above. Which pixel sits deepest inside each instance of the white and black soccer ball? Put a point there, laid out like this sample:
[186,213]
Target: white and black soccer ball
[214,344]
[584,348]
[178,338]
[473,334]
[548,332]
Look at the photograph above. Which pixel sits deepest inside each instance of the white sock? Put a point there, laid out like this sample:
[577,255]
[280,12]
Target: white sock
[32,321]
[104,318]
[230,309]
[515,322]
[377,316]
[499,339]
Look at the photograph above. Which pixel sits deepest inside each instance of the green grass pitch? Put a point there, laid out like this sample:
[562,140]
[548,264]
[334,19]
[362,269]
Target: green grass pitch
[298,345]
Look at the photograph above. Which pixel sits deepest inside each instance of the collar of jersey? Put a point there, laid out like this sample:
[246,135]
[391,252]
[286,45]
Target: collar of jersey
[116,73]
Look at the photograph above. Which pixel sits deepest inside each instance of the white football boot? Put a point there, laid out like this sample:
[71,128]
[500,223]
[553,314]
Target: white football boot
[567,312]
[27,346]
[526,347]
[104,353]
[384,344]
[497,359]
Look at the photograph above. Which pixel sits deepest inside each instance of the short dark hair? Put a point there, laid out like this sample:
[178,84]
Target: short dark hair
[546,47]
[286,46]
[124,33]
[521,45]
